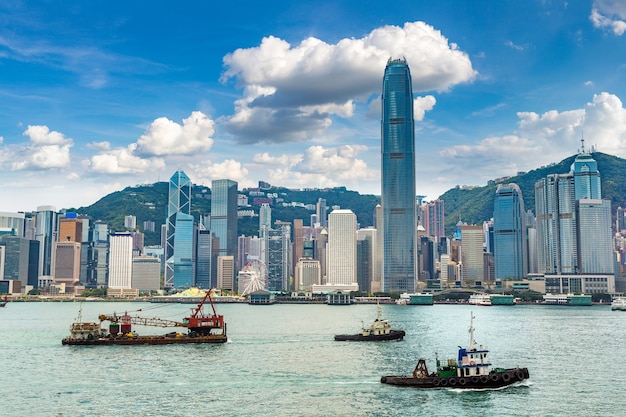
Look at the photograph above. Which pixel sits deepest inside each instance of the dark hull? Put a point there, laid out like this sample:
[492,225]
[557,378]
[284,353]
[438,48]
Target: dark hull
[144,340]
[393,335]
[494,380]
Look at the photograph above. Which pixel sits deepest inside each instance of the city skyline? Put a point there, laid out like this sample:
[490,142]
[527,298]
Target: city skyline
[96,98]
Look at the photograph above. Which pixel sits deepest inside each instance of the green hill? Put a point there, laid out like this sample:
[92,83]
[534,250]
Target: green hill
[471,205]
[475,205]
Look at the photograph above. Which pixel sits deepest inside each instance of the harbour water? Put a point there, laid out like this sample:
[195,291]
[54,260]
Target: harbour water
[281,360]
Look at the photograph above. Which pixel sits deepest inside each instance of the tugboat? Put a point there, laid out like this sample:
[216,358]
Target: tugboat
[4,302]
[379,330]
[469,370]
[201,328]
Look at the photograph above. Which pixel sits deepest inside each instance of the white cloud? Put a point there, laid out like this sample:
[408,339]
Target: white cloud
[511,45]
[230,169]
[545,138]
[46,150]
[292,92]
[609,14]
[165,137]
[421,105]
[123,161]
[99,146]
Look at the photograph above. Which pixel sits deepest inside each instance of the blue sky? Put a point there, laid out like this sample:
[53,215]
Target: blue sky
[96,96]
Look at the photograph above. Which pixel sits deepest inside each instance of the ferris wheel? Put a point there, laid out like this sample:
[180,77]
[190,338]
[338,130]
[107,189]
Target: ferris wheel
[253,277]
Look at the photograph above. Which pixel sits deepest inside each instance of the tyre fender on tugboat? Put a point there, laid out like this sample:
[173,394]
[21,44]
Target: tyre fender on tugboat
[436,382]
[462,381]
[506,377]
[452,382]
[520,374]
[495,377]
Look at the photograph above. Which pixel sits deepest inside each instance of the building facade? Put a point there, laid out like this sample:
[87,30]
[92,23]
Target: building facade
[179,201]
[223,222]
[398,179]
[342,248]
[510,233]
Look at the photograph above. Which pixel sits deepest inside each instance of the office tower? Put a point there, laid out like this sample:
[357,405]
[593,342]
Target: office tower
[434,219]
[46,234]
[556,225]
[427,254]
[183,259]
[121,260]
[12,223]
[70,228]
[444,261]
[594,236]
[320,253]
[307,274]
[531,242]
[86,251]
[146,273]
[223,222]
[67,264]
[314,222]
[342,248]
[265,218]
[320,211]
[509,230]
[276,254]
[308,249]
[472,239]
[586,177]
[298,242]
[138,238]
[179,201]
[99,277]
[366,274]
[376,285]
[18,259]
[204,240]
[398,179]
[226,272]
[130,222]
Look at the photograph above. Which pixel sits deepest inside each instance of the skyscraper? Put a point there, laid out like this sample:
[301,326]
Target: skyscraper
[586,177]
[556,224]
[184,256]
[223,222]
[398,179]
[265,218]
[121,260]
[342,248]
[509,218]
[46,234]
[472,239]
[179,201]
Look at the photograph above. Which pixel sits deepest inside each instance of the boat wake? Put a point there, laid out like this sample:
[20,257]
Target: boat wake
[524,383]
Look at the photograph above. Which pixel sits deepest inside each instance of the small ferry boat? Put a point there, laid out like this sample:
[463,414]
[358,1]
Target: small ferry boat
[4,302]
[471,369]
[379,330]
[480,299]
[201,328]
[619,303]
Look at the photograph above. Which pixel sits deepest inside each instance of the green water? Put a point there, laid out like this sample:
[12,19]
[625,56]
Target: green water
[281,360]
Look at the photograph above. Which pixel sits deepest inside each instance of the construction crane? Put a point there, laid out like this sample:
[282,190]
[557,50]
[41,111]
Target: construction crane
[140,321]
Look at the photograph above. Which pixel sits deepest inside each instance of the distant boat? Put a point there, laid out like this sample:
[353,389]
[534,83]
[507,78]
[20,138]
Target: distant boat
[619,303]
[480,299]
[378,331]
[471,369]
[417,299]
[4,302]
[568,299]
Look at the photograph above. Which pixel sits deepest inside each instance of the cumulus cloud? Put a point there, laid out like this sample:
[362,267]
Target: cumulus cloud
[609,14]
[547,137]
[294,91]
[123,161]
[421,105]
[162,138]
[45,150]
[231,169]
[165,137]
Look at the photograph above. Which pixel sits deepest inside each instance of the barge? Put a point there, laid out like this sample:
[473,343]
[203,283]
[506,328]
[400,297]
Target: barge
[201,328]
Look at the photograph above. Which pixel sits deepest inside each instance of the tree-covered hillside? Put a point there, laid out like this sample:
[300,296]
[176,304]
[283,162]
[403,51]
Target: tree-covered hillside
[475,205]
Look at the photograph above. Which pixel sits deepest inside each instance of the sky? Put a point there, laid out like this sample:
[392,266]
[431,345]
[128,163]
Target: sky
[97,96]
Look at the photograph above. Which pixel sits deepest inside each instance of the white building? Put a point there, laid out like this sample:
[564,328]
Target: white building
[146,275]
[308,273]
[120,260]
[342,248]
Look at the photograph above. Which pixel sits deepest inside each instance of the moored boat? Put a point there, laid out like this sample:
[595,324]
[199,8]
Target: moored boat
[201,328]
[618,303]
[4,302]
[471,369]
[378,331]
[480,299]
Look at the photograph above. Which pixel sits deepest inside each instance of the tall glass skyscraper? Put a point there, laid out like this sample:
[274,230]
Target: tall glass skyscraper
[223,222]
[46,233]
[586,177]
[509,218]
[398,178]
[557,246]
[179,201]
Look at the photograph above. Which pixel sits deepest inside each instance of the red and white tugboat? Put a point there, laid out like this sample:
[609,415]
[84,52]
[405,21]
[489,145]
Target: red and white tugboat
[201,328]
[471,369]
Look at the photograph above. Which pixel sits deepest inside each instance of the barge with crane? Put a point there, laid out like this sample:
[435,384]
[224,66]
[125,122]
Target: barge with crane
[201,328]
